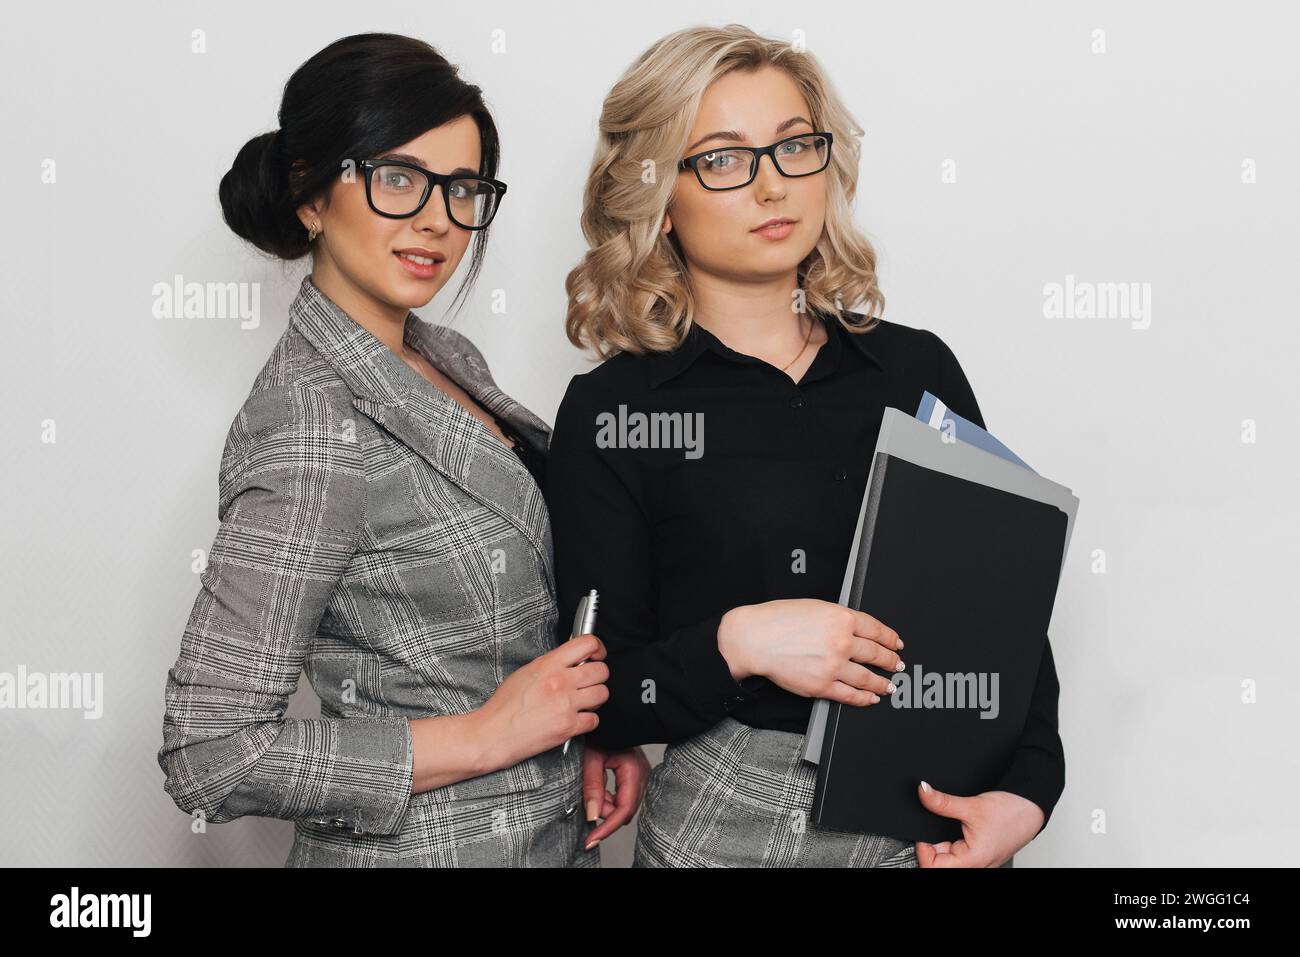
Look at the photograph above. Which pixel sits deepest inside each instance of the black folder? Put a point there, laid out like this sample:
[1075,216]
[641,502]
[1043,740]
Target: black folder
[967,574]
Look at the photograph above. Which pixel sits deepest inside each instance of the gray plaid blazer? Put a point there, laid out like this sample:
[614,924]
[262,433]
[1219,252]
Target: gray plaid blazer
[376,535]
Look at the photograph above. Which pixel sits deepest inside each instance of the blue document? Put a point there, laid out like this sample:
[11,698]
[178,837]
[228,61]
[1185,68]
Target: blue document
[935,414]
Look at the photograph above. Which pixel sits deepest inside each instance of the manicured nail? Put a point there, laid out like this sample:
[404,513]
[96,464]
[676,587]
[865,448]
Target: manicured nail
[593,809]
[900,666]
[590,845]
[926,787]
[889,690]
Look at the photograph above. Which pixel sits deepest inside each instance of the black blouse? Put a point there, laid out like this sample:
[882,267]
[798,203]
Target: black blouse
[746,488]
[533,460]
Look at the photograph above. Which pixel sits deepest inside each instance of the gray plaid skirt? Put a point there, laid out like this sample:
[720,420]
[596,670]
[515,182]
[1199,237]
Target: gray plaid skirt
[736,796]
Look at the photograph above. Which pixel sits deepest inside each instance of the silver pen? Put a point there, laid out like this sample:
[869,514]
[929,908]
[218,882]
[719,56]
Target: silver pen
[584,623]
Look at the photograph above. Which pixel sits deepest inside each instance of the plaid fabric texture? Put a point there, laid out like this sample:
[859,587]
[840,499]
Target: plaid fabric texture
[736,796]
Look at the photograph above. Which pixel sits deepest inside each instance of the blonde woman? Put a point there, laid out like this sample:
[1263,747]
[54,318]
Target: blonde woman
[718,211]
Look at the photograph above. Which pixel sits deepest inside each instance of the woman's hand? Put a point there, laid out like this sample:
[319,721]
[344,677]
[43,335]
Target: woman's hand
[544,703]
[995,825]
[811,647]
[631,776]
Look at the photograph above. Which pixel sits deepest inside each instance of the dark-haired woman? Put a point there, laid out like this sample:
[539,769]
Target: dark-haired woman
[382,525]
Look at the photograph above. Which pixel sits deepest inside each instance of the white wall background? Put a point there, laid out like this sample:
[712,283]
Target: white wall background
[1122,166]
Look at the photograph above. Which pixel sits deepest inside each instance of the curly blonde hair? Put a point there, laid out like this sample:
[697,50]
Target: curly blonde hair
[631,291]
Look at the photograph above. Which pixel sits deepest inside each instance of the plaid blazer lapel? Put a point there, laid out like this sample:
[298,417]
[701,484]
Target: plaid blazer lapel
[431,423]
[442,347]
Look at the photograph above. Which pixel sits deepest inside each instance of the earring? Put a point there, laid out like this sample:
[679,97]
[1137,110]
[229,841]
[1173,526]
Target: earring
[312,231]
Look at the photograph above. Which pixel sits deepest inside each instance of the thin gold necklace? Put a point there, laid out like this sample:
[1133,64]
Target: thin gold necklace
[806,340]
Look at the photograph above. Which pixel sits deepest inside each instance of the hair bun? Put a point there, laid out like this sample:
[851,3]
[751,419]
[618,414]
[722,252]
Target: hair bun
[254,199]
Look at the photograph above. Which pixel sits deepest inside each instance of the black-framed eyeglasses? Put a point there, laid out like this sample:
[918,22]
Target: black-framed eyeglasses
[397,189]
[735,166]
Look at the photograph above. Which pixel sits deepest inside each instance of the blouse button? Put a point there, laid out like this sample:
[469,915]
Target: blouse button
[796,402]
[841,474]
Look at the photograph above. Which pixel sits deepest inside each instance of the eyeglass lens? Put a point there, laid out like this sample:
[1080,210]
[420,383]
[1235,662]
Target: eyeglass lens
[397,190]
[797,157]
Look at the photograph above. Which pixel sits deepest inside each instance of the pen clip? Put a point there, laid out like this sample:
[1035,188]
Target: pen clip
[585,618]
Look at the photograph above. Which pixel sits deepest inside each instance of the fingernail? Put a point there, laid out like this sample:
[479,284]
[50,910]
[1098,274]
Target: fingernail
[900,666]
[889,690]
[593,809]
[872,697]
[926,787]
[590,845]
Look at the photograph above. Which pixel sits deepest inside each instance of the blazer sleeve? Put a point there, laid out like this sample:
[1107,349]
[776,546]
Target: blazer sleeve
[291,510]
[664,684]
[1037,769]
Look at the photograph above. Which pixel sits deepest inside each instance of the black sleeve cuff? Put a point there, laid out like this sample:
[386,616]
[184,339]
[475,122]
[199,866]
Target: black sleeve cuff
[707,671]
[1035,776]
